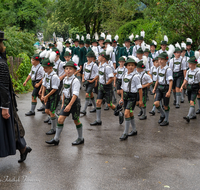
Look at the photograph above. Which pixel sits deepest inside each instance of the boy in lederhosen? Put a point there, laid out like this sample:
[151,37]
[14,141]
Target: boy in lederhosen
[106,78]
[50,93]
[36,75]
[71,104]
[153,73]
[163,88]
[90,75]
[192,80]
[145,81]
[131,85]
[178,67]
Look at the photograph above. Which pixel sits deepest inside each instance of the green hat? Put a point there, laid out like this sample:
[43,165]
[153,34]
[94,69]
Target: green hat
[164,43]
[130,60]
[198,48]
[101,38]
[183,49]
[107,41]
[163,55]
[122,59]
[87,41]
[114,41]
[67,53]
[127,40]
[141,65]
[43,48]
[67,42]
[76,40]
[136,38]
[103,54]
[156,59]
[70,64]
[56,50]
[147,50]
[46,63]
[94,40]
[81,42]
[51,45]
[90,54]
[193,60]
[177,49]
[140,38]
[152,44]
[140,51]
[36,57]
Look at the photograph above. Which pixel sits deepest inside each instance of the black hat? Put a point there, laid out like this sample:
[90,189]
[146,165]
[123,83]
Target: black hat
[2,36]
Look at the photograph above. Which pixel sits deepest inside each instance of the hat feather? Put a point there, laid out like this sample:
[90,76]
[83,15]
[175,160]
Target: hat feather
[135,58]
[136,36]
[77,37]
[131,37]
[88,36]
[47,54]
[143,46]
[196,54]
[142,33]
[154,42]
[171,50]
[60,46]
[109,37]
[147,46]
[177,45]
[183,45]
[165,38]
[145,60]
[75,59]
[70,40]
[96,36]
[189,40]
[43,53]
[82,38]
[116,38]
[52,56]
[109,50]
[103,35]
[69,50]
[125,58]
[95,50]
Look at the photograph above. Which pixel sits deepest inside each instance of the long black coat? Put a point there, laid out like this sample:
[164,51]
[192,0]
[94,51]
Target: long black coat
[11,130]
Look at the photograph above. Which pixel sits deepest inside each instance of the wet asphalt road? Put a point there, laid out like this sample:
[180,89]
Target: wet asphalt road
[157,158]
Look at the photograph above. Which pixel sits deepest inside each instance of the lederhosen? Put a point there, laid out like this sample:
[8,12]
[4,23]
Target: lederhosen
[129,97]
[89,86]
[177,76]
[119,81]
[105,90]
[192,89]
[162,90]
[53,99]
[144,92]
[61,82]
[75,109]
[34,82]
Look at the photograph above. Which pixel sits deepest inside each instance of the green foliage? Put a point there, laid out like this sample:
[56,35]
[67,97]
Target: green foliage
[22,73]
[18,41]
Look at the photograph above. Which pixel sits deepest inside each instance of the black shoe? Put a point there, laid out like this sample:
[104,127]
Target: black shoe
[187,119]
[24,155]
[83,112]
[78,141]
[141,112]
[53,141]
[30,113]
[93,110]
[193,117]
[114,101]
[51,132]
[151,93]
[177,106]
[198,111]
[143,117]
[121,117]
[174,102]
[47,120]
[96,123]
[123,137]
[132,133]
[152,112]
[90,104]
[41,109]
[182,101]
[106,108]
[43,112]
[161,119]
[164,123]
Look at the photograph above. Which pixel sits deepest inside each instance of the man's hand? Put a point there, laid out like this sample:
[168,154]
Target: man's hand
[42,98]
[114,84]
[181,89]
[45,99]
[140,103]
[5,113]
[121,102]
[67,109]
[24,84]
[90,81]
[153,91]
[83,80]
[37,85]
[167,94]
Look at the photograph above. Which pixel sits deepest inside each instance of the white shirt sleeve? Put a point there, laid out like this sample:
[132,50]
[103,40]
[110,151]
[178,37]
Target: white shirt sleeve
[169,75]
[76,87]
[55,82]
[109,72]
[136,79]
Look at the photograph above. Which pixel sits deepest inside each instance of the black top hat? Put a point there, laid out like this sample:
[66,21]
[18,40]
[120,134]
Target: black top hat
[2,36]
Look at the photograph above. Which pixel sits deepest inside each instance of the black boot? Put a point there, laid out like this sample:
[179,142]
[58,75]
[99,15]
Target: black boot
[161,119]
[123,137]
[78,141]
[30,113]
[47,120]
[96,123]
[51,132]
[93,110]
[24,155]
[140,113]
[53,141]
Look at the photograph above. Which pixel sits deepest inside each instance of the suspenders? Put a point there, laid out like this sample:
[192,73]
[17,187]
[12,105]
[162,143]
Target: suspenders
[164,76]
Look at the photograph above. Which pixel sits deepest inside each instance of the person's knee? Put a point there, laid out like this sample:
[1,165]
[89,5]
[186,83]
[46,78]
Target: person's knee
[87,95]
[99,103]
[127,114]
[47,111]
[157,104]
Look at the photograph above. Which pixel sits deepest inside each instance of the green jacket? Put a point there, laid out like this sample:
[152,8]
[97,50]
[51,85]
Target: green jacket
[191,54]
[117,55]
[82,58]
[76,51]
[123,51]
